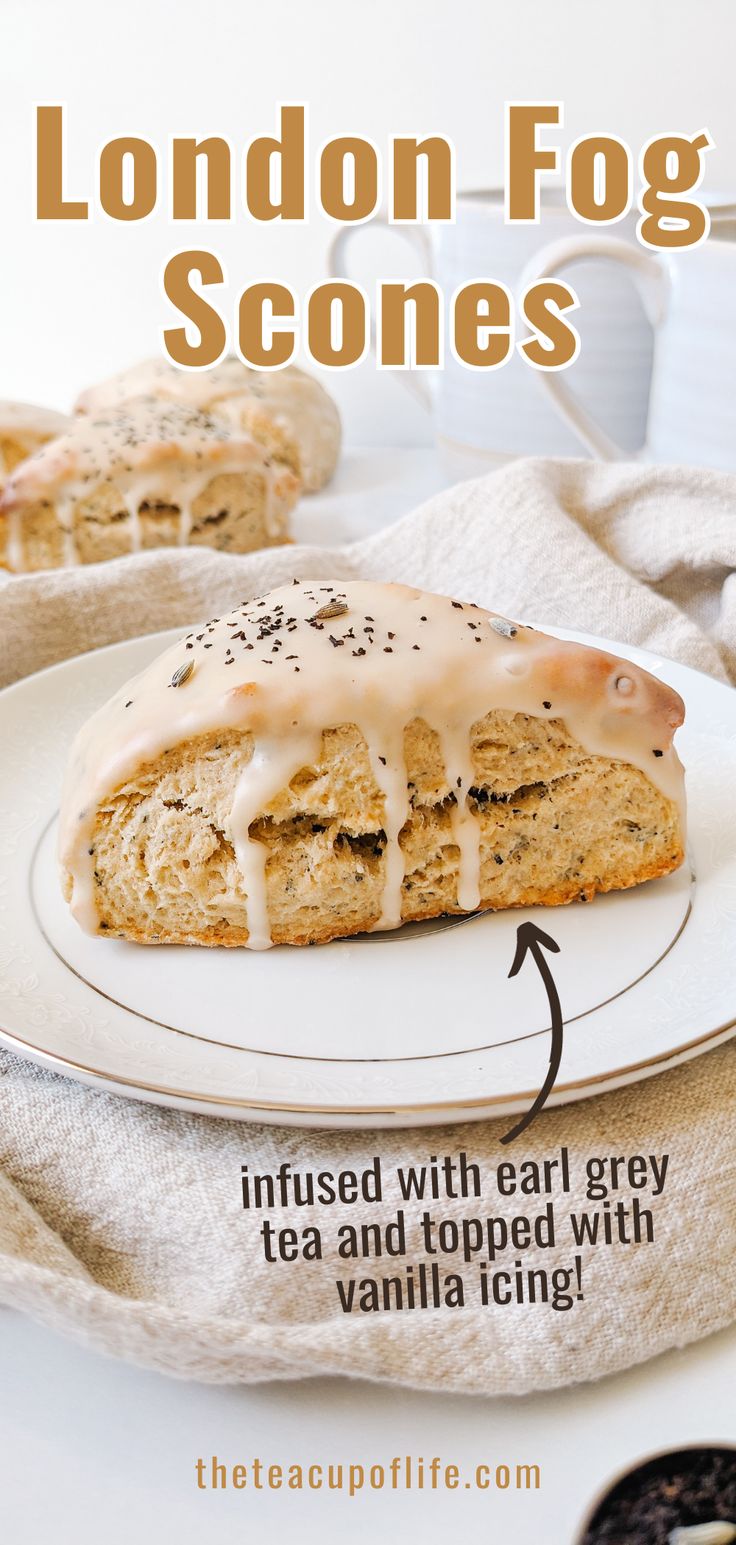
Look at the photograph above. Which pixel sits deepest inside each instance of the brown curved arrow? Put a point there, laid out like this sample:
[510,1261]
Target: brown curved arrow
[531,940]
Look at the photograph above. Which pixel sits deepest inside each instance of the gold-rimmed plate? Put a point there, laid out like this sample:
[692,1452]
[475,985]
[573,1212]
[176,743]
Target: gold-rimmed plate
[422,1027]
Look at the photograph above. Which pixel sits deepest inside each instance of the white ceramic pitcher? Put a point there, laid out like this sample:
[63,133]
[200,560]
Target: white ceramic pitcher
[502,412]
[690,299]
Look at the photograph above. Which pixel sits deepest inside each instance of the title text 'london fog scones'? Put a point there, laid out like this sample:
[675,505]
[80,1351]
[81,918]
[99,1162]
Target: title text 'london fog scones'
[286,410]
[333,758]
[149,474]
[24,428]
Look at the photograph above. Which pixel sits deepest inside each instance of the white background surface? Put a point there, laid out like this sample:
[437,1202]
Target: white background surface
[92,1449]
[78,301]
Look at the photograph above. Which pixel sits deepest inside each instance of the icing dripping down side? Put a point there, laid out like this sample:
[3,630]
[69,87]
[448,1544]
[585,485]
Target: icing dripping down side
[153,453]
[309,657]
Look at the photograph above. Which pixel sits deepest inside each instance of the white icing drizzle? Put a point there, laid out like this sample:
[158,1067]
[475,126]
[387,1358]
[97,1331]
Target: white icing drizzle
[389,771]
[383,656]
[65,517]
[151,452]
[274,763]
[292,399]
[13,543]
[456,753]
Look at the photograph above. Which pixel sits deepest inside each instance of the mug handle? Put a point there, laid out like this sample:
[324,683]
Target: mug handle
[650,278]
[337,269]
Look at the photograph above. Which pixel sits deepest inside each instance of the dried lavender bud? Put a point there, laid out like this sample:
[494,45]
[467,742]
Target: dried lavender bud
[717,1533]
[182,674]
[332,609]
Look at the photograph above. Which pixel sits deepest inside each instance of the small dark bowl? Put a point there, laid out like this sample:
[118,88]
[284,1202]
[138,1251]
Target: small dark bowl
[672,1489]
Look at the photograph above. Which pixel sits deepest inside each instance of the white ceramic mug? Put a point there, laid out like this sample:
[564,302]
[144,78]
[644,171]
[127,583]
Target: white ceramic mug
[690,298]
[502,412]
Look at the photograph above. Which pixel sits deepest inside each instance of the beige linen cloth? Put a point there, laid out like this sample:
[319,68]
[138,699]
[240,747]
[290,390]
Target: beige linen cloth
[121,1223]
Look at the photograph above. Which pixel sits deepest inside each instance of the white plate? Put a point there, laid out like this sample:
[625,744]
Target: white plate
[416,1028]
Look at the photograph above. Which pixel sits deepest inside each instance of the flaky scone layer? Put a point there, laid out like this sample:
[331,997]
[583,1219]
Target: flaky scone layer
[556,825]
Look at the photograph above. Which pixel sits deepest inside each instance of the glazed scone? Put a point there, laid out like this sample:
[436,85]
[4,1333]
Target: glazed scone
[286,410]
[334,758]
[24,428]
[150,474]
